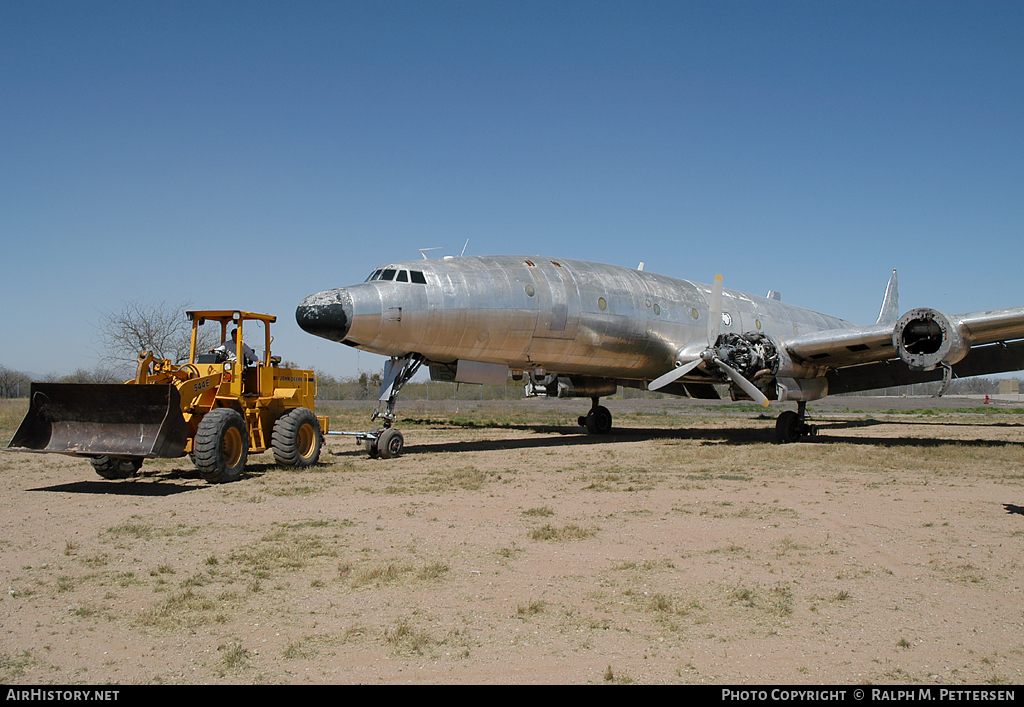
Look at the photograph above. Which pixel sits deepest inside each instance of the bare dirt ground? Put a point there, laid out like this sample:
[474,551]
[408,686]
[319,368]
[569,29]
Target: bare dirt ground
[684,548]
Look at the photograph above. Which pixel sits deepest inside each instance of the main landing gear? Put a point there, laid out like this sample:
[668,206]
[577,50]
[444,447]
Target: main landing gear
[598,421]
[792,426]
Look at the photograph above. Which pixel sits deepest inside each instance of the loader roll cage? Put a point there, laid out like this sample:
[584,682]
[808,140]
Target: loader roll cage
[225,317]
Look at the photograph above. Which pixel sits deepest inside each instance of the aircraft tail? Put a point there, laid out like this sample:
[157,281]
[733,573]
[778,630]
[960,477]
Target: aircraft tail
[890,311]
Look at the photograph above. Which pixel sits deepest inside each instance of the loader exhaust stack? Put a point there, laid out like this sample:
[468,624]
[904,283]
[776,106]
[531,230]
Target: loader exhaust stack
[90,420]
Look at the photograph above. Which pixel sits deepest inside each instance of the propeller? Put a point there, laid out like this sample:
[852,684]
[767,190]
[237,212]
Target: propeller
[708,355]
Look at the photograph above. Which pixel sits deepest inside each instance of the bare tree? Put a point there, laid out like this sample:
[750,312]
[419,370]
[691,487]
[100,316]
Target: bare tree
[13,383]
[82,375]
[139,326]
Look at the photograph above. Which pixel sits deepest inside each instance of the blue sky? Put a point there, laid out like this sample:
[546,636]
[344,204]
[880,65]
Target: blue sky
[247,154]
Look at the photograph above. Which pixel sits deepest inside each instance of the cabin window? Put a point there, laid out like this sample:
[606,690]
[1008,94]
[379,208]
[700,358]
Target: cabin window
[387,275]
[403,276]
[417,277]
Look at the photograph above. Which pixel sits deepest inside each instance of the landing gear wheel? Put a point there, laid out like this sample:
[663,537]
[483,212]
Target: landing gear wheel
[789,428]
[599,420]
[116,467]
[296,439]
[390,443]
[221,446]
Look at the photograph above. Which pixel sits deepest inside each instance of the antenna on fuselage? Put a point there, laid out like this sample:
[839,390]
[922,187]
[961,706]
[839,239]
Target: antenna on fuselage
[464,248]
[424,254]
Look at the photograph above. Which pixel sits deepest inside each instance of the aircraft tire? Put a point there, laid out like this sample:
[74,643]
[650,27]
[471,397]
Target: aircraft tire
[116,467]
[221,446]
[296,439]
[390,443]
[599,420]
[788,428]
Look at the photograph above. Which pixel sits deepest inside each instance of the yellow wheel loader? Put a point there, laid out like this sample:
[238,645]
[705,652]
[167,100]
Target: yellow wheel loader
[218,408]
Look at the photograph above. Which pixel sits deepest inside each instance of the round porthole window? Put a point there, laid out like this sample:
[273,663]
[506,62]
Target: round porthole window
[602,304]
[657,310]
[530,292]
[694,313]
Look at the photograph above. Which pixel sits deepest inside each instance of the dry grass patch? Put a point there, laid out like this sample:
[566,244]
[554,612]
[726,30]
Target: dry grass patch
[137,528]
[465,478]
[566,533]
[286,547]
[407,638]
[313,646]
[393,573]
[534,607]
[186,609]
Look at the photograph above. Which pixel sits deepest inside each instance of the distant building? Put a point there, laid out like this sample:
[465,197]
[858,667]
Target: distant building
[1009,386]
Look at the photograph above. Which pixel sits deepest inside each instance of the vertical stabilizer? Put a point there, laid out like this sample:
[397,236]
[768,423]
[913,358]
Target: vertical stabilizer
[890,311]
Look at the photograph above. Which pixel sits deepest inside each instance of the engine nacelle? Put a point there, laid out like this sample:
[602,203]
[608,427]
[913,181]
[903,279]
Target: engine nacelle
[926,339]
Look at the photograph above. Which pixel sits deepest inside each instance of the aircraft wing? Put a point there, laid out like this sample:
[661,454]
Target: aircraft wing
[914,349]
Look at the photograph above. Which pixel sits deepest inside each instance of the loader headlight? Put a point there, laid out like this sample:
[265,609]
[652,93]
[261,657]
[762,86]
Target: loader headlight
[227,366]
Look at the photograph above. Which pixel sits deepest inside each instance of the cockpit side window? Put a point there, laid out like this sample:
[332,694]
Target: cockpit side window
[388,274]
[373,276]
[403,276]
[417,277]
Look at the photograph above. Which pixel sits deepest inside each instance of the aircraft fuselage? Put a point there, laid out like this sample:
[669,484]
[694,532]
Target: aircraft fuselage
[528,312]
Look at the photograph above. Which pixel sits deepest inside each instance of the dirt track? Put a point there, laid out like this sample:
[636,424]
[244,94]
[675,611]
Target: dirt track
[684,548]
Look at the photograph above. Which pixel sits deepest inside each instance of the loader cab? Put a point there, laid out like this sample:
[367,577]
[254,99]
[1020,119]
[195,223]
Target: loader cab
[243,379]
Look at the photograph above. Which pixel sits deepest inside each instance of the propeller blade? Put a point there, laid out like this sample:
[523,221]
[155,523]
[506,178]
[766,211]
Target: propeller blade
[674,374]
[748,387]
[715,311]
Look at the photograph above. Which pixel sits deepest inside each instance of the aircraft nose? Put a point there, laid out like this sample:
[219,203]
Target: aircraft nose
[327,314]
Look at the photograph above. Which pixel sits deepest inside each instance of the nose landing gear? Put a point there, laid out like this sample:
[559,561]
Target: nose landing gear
[386,442]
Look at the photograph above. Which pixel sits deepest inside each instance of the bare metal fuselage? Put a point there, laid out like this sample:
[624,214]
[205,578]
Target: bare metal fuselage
[564,316]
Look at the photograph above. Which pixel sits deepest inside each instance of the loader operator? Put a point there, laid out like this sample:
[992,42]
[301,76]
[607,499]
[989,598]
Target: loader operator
[229,350]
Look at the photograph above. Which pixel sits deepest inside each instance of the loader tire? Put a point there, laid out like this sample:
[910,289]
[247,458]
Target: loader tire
[297,440]
[222,446]
[116,467]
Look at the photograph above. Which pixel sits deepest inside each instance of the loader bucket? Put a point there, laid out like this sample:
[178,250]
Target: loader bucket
[93,419]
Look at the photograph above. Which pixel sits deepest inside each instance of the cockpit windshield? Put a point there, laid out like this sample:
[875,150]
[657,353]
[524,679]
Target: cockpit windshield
[396,275]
